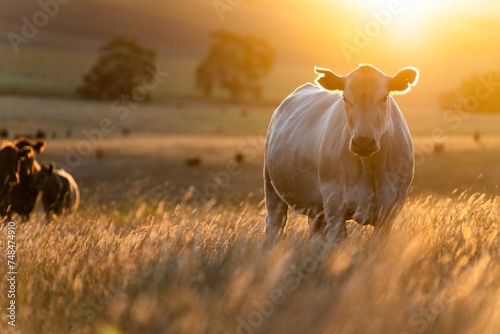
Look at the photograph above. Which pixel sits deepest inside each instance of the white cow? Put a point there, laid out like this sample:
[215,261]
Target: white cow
[339,150]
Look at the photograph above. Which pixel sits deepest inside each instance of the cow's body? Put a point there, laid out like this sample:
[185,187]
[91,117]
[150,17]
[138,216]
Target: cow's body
[23,196]
[10,159]
[60,192]
[309,165]
[9,173]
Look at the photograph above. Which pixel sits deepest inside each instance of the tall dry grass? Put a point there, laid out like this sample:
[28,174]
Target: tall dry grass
[137,264]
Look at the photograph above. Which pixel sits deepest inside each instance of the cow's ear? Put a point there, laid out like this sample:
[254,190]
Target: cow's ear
[39,146]
[25,153]
[328,80]
[403,81]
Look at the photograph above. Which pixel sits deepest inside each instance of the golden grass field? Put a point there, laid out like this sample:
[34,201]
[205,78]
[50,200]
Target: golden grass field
[159,247]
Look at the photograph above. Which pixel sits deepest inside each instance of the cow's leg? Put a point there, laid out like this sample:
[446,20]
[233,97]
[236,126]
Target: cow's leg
[277,210]
[317,224]
[335,227]
[335,213]
[383,227]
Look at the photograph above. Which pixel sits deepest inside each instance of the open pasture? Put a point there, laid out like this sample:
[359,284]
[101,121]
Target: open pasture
[169,237]
[158,246]
[142,264]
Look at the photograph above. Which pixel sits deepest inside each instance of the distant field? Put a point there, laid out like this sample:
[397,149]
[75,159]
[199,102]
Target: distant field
[25,114]
[161,160]
[164,135]
[22,114]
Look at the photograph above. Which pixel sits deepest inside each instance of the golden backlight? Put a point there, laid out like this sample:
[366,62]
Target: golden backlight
[447,40]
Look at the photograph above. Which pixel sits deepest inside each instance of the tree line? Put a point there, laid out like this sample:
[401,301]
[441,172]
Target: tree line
[234,64]
[477,93]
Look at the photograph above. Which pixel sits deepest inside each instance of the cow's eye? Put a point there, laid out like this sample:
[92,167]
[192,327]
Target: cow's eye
[384,100]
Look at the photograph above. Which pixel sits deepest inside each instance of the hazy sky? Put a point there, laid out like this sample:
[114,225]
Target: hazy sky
[447,40]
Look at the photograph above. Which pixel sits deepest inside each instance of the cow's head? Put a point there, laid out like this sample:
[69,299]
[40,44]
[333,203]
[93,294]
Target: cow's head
[10,159]
[29,165]
[42,178]
[367,102]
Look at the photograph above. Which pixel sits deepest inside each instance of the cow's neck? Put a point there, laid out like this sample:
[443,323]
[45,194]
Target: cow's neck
[380,166]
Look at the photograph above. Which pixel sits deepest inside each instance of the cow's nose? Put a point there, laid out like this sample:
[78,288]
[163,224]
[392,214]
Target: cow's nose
[364,142]
[364,146]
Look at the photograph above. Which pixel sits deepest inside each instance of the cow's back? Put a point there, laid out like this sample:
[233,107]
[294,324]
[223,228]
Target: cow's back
[72,192]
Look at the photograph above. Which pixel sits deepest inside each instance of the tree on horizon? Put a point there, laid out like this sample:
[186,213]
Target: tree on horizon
[235,64]
[122,65]
[477,93]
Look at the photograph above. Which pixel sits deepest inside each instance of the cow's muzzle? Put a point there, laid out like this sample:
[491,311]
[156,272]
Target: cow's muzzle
[364,146]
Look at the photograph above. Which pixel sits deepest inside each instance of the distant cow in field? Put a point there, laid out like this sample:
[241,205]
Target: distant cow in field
[439,147]
[40,134]
[239,158]
[340,150]
[23,195]
[60,193]
[476,136]
[10,158]
[193,162]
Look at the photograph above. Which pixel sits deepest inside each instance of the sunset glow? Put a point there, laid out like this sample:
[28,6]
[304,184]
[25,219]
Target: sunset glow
[250,166]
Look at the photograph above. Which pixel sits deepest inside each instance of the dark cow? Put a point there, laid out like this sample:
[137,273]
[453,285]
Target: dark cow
[23,195]
[10,158]
[60,193]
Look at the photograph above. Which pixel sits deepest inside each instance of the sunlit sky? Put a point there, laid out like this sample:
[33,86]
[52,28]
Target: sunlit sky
[418,26]
[447,40]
